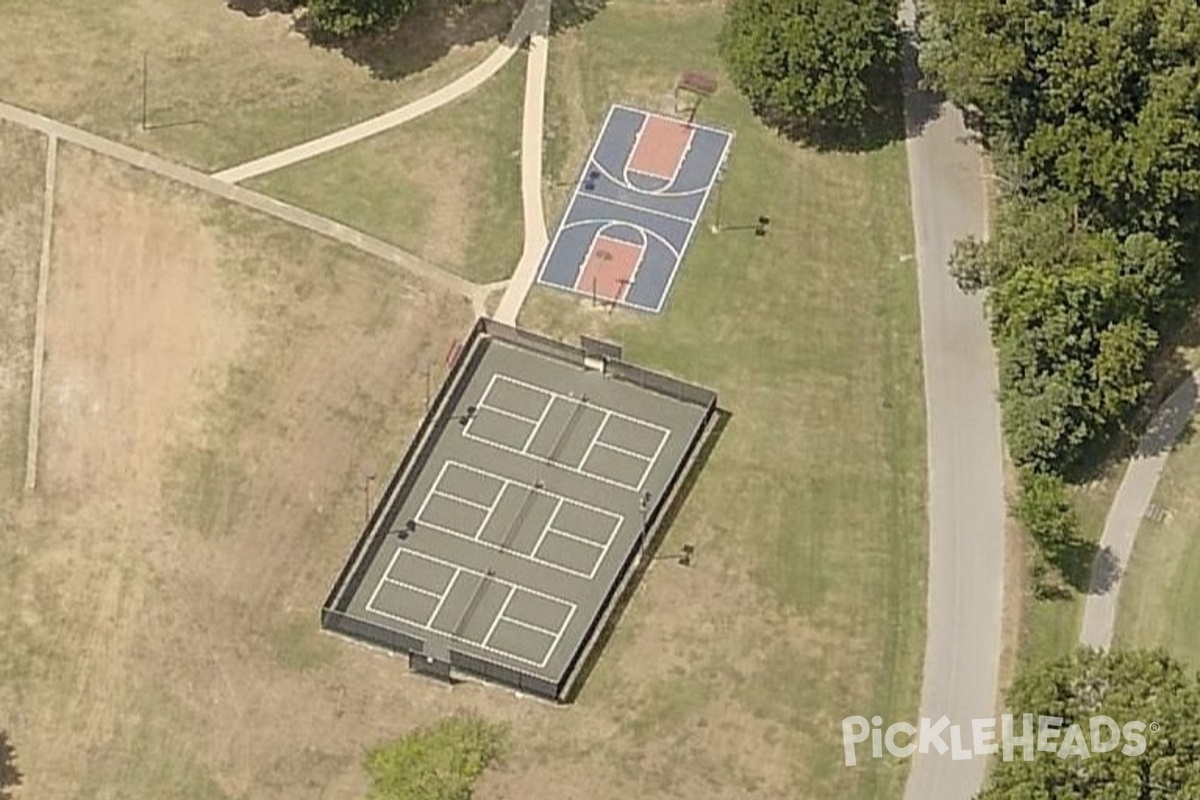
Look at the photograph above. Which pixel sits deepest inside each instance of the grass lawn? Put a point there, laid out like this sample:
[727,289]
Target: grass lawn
[805,604]
[1161,593]
[446,186]
[22,163]
[223,87]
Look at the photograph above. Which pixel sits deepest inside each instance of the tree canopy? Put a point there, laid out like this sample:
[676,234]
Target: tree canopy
[342,18]
[1095,102]
[1091,112]
[440,762]
[1126,686]
[1072,313]
[809,66]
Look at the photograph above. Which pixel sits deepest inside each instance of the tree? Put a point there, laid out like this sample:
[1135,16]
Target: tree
[1128,687]
[809,67]
[1099,101]
[1071,311]
[441,762]
[10,777]
[343,18]
[1045,510]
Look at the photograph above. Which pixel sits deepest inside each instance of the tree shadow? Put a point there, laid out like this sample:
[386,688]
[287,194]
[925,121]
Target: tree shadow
[427,33]
[1105,571]
[10,776]
[257,8]
[569,14]
[651,554]
[921,104]
[1074,561]
[430,30]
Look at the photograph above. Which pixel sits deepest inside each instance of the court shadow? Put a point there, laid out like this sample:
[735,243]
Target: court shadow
[651,553]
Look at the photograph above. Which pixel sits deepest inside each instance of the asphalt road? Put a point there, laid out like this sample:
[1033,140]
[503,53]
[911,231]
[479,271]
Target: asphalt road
[966,477]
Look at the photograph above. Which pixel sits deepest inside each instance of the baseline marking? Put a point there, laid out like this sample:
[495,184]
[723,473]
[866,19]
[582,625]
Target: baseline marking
[578,468]
[484,404]
[513,587]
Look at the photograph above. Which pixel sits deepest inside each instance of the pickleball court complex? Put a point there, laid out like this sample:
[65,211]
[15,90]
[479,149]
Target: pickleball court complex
[517,517]
[635,208]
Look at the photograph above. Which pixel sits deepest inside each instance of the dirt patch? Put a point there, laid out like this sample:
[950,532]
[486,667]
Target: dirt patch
[217,385]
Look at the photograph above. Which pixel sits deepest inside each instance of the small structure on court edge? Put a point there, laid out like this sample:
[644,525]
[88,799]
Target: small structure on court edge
[517,518]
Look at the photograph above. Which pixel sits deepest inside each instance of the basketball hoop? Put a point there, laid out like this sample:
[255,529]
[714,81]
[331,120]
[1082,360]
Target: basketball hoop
[696,85]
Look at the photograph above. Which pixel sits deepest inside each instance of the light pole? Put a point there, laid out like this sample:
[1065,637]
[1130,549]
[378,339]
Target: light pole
[644,506]
[145,80]
[367,498]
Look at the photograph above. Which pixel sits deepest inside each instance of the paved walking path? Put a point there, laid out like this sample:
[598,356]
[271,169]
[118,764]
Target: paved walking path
[237,194]
[1127,510]
[966,474]
[531,167]
[528,21]
[376,125]
[39,325]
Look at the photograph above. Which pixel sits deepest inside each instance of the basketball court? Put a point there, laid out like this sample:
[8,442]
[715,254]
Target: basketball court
[639,198]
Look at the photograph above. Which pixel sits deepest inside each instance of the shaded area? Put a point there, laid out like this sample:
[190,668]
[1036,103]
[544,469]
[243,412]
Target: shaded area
[921,104]
[684,557]
[1106,571]
[573,13]
[426,33]
[1077,566]
[10,776]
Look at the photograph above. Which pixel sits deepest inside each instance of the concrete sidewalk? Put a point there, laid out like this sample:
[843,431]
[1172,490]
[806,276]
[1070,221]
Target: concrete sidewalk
[1128,508]
[237,194]
[376,125]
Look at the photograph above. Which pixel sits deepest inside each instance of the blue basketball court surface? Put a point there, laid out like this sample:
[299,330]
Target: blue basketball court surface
[638,201]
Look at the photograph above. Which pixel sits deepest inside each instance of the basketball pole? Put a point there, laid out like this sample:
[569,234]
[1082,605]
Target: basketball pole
[716,224]
[593,292]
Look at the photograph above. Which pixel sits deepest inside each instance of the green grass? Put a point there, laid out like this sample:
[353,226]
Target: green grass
[22,163]
[446,186]
[299,645]
[222,88]
[1160,597]
[441,762]
[811,505]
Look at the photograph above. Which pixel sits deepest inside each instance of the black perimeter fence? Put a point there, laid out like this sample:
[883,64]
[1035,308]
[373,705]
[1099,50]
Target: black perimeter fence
[334,616]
